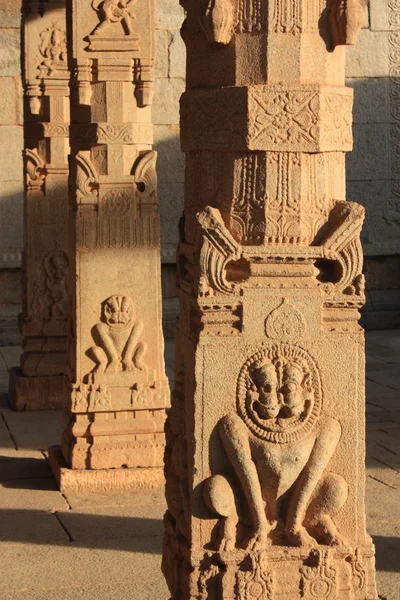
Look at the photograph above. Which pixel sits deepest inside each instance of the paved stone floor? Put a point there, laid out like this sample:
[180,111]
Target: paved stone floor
[104,546]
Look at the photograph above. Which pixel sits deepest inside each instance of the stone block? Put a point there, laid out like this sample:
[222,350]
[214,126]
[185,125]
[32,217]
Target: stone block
[10,102]
[177,55]
[11,145]
[169,14]
[71,481]
[10,13]
[370,56]
[161,58]
[10,52]
[371,100]
[379,12]
[370,158]
[170,159]
[166,101]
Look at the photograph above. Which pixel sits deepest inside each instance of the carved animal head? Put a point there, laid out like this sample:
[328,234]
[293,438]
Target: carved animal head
[118,311]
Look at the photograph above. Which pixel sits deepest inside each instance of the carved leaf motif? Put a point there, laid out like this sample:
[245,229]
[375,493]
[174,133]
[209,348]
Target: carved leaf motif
[285,322]
[146,174]
[257,584]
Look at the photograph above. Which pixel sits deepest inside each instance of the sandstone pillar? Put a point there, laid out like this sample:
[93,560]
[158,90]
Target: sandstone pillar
[38,383]
[265,438]
[116,382]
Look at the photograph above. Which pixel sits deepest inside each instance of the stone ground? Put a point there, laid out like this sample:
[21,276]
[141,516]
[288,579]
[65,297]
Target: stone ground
[104,546]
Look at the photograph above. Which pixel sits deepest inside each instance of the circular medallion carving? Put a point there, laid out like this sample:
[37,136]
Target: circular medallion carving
[279,393]
[116,203]
[285,322]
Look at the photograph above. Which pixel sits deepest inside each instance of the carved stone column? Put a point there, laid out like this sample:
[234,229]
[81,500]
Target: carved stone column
[116,380]
[265,437]
[38,383]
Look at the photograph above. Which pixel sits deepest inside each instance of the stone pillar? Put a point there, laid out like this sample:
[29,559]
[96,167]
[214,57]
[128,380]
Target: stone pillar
[265,437]
[116,381]
[38,383]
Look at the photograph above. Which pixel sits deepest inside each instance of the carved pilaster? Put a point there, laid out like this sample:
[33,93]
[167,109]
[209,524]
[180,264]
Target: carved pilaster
[265,437]
[116,383]
[38,384]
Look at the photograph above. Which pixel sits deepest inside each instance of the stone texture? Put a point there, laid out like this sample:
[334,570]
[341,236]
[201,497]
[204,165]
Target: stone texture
[166,101]
[10,102]
[10,13]
[370,58]
[168,14]
[116,383]
[38,384]
[265,460]
[11,154]
[10,60]
[78,481]
[371,161]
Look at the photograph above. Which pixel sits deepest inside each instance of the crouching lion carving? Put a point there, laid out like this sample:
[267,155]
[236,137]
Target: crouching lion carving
[279,446]
[117,335]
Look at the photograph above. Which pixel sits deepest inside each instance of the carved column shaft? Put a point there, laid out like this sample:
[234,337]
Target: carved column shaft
[116,383]
[265,437]
[38,384]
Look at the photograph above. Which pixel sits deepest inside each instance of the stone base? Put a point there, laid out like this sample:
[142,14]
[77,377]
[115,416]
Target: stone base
[102,480]
[36,393]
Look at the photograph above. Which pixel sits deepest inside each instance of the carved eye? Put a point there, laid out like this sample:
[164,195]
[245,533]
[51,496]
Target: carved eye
[268,388]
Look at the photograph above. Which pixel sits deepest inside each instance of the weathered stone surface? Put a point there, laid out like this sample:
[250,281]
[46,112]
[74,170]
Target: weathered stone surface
[370,58]
[11,137]
[168,15]
[372,159]
[10,101]
[161,65]
[10,59]
[264,458]
[10,13]
[166,101]
[371,101]
[116,384]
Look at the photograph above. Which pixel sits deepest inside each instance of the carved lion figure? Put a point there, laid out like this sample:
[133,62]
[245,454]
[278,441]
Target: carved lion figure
[279,446]
[118,348]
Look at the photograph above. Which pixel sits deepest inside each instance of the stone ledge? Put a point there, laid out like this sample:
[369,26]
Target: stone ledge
[72,481]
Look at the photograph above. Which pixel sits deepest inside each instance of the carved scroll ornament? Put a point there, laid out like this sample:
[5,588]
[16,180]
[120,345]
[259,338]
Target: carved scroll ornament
[217,250]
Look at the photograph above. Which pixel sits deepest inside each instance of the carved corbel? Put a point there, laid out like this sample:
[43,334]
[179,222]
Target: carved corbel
[218,248]
[346,17]
[218,21]
[146,175]
[35,170]
[343,245]
[86,180]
